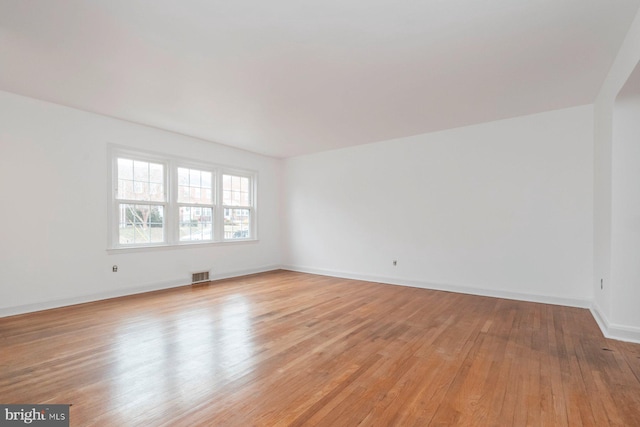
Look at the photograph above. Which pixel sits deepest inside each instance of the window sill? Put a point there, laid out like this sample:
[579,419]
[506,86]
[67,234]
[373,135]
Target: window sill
[133,249]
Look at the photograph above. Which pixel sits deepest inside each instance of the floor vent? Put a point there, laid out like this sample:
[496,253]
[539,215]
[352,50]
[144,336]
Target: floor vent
[203,276]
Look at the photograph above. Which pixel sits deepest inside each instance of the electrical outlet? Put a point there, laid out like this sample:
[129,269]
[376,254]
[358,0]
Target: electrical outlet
[114,268]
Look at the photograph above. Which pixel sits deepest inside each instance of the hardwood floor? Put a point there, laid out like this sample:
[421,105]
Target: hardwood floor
[284,348]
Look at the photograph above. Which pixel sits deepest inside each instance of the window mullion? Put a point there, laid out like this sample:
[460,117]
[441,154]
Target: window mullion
[218,219]
[172,218]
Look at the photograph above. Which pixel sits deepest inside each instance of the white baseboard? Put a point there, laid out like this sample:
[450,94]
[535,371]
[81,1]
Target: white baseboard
[47,305]
[545,299]
[613,330]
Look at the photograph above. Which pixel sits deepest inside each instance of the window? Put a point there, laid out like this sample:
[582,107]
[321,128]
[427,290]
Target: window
[236,201]
[161,201]
[141,202]
[195,204]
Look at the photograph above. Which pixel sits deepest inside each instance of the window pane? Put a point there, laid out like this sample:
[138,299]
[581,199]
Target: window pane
[140,224]
[138,180]
[140,189]
[237,224]
[155,192]
[183,176]
[141,171]
[235,190]
[196,223]
[194,178]
[194,186]
[125,188]
[125,169]
[156,173]
[206,180]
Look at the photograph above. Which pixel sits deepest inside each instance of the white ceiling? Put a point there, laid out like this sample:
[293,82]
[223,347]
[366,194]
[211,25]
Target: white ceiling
[289,77]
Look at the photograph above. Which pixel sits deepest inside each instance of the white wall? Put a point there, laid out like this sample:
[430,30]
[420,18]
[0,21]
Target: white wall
[616,303]
[502,208]
[53,180]
[625,232]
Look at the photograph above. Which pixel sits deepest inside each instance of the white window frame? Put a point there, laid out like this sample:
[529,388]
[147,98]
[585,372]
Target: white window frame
[177,204]
[250,206]
[114,216]
[170,205]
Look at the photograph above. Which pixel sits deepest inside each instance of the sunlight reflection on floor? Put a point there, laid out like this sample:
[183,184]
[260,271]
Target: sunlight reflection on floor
[181,355]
